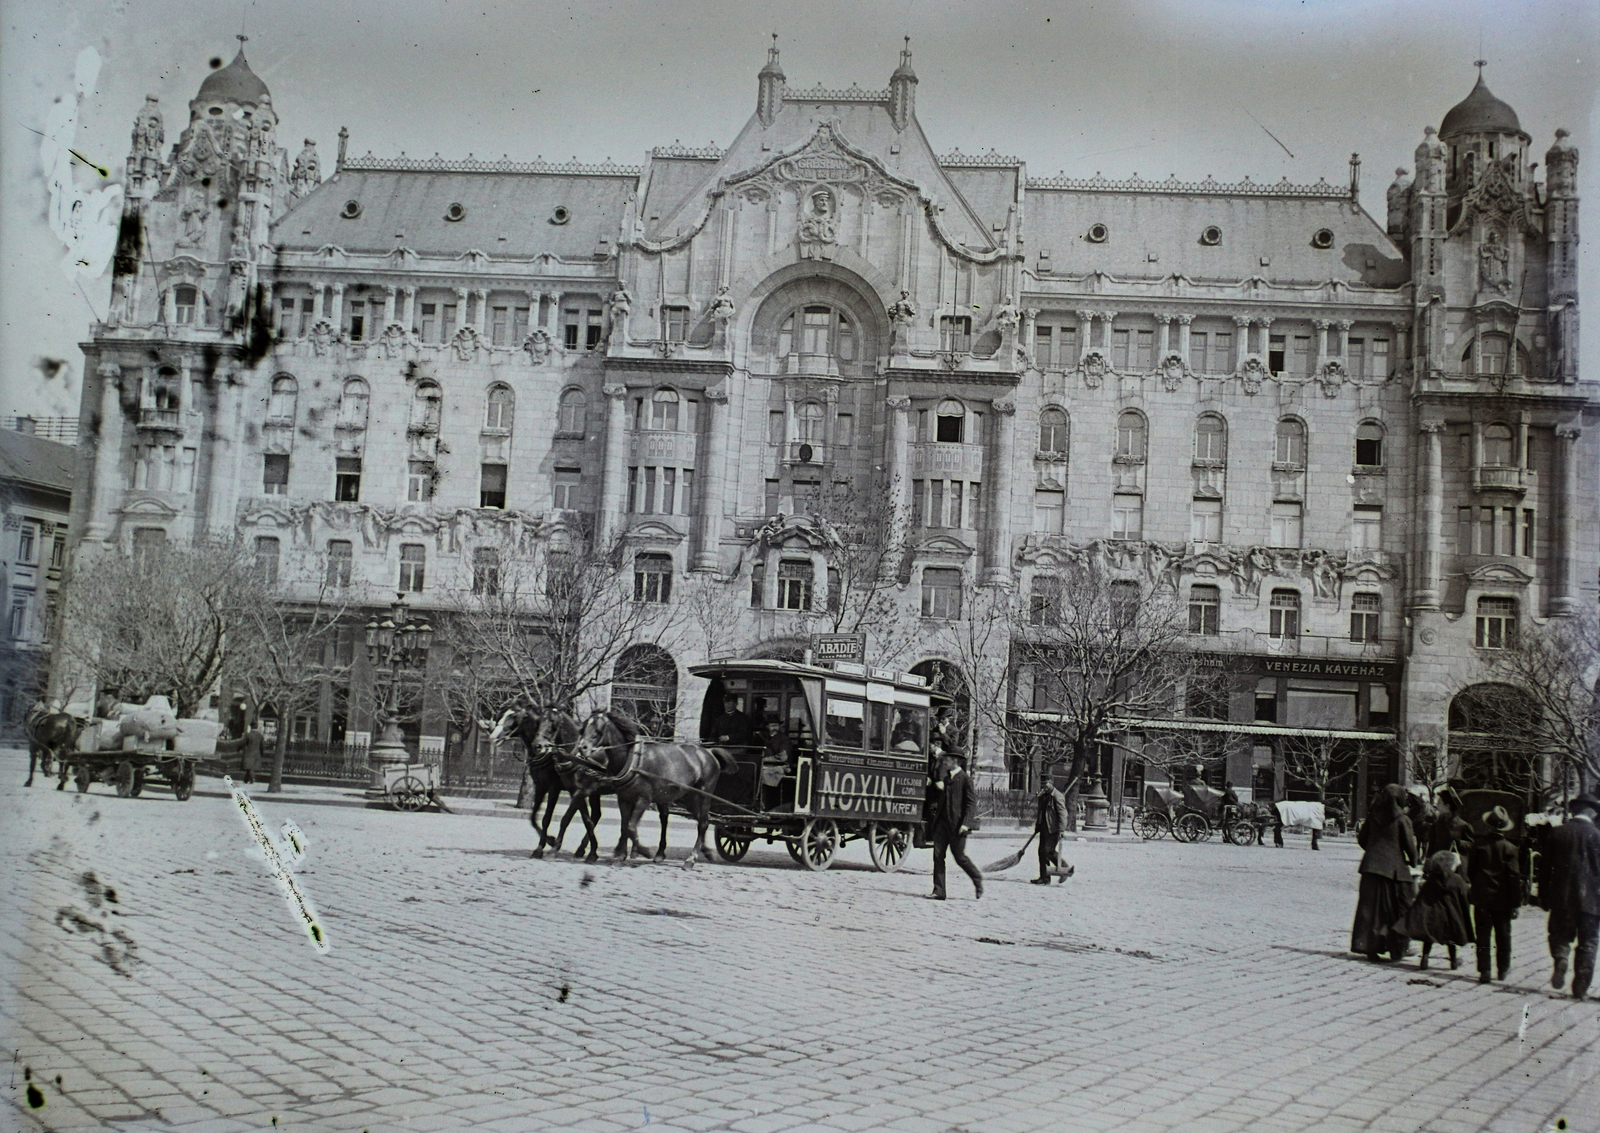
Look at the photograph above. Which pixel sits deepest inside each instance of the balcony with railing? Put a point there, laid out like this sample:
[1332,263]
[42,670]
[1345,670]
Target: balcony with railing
[661,446]
[160,420]
[1306,645]
[805,452]
[1503,478]
[943,460]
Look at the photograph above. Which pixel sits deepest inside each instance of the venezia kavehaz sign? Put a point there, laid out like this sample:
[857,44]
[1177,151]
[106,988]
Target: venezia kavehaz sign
[1349,670]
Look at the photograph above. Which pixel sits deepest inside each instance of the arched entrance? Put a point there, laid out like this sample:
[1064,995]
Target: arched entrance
[1489,726]
[644,687]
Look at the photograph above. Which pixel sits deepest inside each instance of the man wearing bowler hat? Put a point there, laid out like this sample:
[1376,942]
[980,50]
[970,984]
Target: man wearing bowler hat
[1572,857]
[955,802]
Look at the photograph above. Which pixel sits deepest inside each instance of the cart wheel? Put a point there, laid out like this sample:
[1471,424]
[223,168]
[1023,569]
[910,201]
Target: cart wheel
[1191,827]
[732,843]
[124,779]
[84,778]
[408,794]
[183,781]
[819,841]
[793,846]
[1241,833]
[888,843]
[1150,826]
[138,782]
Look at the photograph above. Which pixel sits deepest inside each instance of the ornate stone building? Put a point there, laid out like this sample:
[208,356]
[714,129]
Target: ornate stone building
[1356,448]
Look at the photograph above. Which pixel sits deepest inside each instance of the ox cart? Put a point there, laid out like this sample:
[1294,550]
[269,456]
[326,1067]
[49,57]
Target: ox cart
[133,744]
[848,759]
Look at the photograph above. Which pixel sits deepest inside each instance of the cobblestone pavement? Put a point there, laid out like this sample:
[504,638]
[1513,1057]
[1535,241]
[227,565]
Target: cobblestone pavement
[1201,988]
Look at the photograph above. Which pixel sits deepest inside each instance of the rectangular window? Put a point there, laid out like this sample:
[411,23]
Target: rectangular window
[771,500]
[843,723]
[492,486]
[356,320]
[675,323]
[1285,614]
[1066,347]
[347,479]
[649,501]
[758,584]
[1505,535]
[1286,522]
[565,487]
[918,503]
[58,549]
[844,430]
[267,558]
[341,560]
[1205,521]
[776,424]
[275,474]
[592,329]
[652,578]
[1355,358]
[955,333]
[1366,528]
[1365,613]
[286,309]
[428,322]
[685,491]
[1127,516]
[941,592]
[936,503]
[186,466]
[27,544]
[1304,359]
[308,313]
[1527,532]
[419,480]
[807,496]
[499,326]
[1119,349]
[18,627]
[1222,352]
[413,563]
[1275,353]
[486,571]
[633,490]
[1049,510]
[571,322]
[1145,344]
[1379,365]
[519,326]
[795,581]
[1044,601]
[974,506]
[447,322]
[1044,347]
[1199,361]
[669,491]
[1205,608]
[1497,623]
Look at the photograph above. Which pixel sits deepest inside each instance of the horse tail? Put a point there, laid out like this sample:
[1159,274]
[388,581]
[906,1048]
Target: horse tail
[725,759]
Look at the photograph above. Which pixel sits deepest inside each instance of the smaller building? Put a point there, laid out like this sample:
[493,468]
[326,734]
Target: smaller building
[35,498]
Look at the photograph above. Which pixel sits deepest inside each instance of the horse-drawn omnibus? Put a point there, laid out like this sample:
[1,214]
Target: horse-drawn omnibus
[849,757]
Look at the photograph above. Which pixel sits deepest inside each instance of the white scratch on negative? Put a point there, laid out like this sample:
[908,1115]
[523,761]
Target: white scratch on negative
[86,221]
[281,860]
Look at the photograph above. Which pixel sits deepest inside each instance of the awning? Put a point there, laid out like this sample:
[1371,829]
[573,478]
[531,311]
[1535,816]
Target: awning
[1243,729]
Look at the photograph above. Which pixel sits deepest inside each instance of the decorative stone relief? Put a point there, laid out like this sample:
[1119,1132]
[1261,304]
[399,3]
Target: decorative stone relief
[538,346]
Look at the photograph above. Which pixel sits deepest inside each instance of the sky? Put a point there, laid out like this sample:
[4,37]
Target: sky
[1153,87]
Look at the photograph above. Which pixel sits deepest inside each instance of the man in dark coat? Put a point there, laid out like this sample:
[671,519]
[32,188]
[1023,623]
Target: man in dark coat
[732,728]
[1496,889]
[250,752]
[1573,857]
[1049,821]
[955,803]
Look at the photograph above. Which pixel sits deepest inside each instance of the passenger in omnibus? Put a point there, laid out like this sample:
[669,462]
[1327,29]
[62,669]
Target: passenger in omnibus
[775,764]
[733,728]
[907,735]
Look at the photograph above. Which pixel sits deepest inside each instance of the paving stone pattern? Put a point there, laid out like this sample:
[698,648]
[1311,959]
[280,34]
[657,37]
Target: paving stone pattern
[1202,988]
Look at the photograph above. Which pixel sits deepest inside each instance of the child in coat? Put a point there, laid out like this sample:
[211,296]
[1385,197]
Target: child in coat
[1440,914]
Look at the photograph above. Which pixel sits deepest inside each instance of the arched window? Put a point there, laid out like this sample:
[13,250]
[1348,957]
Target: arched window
[1291,446]
[950,419]
[644,688]
[574,411]
[1131,435]
[1053,431]
[1211,439]
[1489,729]
[502,402]
[664,410]
[1369,445]
[1497,447]
[353,403]
[280,409]
[818,330]
[426,407]
[809,422]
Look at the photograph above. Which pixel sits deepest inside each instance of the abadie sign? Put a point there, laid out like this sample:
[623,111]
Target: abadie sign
[839,647]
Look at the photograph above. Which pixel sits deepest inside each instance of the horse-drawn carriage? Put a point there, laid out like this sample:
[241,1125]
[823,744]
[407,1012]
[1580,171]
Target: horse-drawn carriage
[855,751]
[1192,814]
[128,745]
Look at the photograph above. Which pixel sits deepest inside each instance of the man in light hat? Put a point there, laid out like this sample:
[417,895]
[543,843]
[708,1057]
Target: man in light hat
[1573,857]
[1496,892]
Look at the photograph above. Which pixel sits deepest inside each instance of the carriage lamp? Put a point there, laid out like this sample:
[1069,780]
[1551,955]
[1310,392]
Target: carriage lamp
[394,645]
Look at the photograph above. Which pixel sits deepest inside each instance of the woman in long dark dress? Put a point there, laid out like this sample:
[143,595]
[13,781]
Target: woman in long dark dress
[1386,886]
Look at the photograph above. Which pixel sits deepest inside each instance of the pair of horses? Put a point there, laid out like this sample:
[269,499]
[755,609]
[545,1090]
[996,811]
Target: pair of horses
[606,756]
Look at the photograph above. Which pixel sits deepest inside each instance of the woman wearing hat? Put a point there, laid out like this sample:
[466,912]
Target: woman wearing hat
[1386,886]
[1496,892]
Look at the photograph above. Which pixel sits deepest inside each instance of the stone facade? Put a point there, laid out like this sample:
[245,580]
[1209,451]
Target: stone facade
[1253,387]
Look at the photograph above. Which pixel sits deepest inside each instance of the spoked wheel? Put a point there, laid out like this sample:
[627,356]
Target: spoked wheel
[1150,826]
[408,794]
[732,843]
[182,781]
[1191,827]
[793,846]
[888,843]
[84,778]
[819,841]
[138,782]
[1241,833]
[125,780]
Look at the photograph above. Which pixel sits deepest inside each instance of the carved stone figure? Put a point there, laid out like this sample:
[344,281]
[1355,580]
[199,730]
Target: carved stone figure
[307,173]
[722,308]
[321,336]
[1172,373]
[1332,376]
[818,223]
[903,310]
[621,306]
[149,135]
[1094,369]
[393,340]
[192,218]
[1493,263]
[465,344]
[1250,374]
[537,344]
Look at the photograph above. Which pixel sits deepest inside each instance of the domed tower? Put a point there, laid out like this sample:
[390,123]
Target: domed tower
[1480,131]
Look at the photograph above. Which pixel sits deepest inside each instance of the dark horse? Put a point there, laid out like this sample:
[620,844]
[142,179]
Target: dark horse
[51,736]
[550,738]
[646,773]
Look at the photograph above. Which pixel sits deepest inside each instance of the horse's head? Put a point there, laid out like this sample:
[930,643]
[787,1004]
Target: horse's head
[604,740]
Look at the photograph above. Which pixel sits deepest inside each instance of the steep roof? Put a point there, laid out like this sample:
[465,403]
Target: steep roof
[506,210]
[234,83]
[33,460]
[1480,112]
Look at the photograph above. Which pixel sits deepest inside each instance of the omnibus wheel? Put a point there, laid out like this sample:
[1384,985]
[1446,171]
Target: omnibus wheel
[732,843]
[888,843]
[819,841]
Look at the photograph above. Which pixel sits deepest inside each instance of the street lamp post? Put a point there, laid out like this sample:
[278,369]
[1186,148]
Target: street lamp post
[394,645]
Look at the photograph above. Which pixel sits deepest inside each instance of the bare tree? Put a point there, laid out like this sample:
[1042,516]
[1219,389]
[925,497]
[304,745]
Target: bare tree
[283,646]
[1551,697]
[161,621]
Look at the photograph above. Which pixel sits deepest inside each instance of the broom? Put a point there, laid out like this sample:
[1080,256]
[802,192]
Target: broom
[1010,860]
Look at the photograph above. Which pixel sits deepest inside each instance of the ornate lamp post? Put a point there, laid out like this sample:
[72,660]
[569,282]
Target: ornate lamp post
[394,645]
